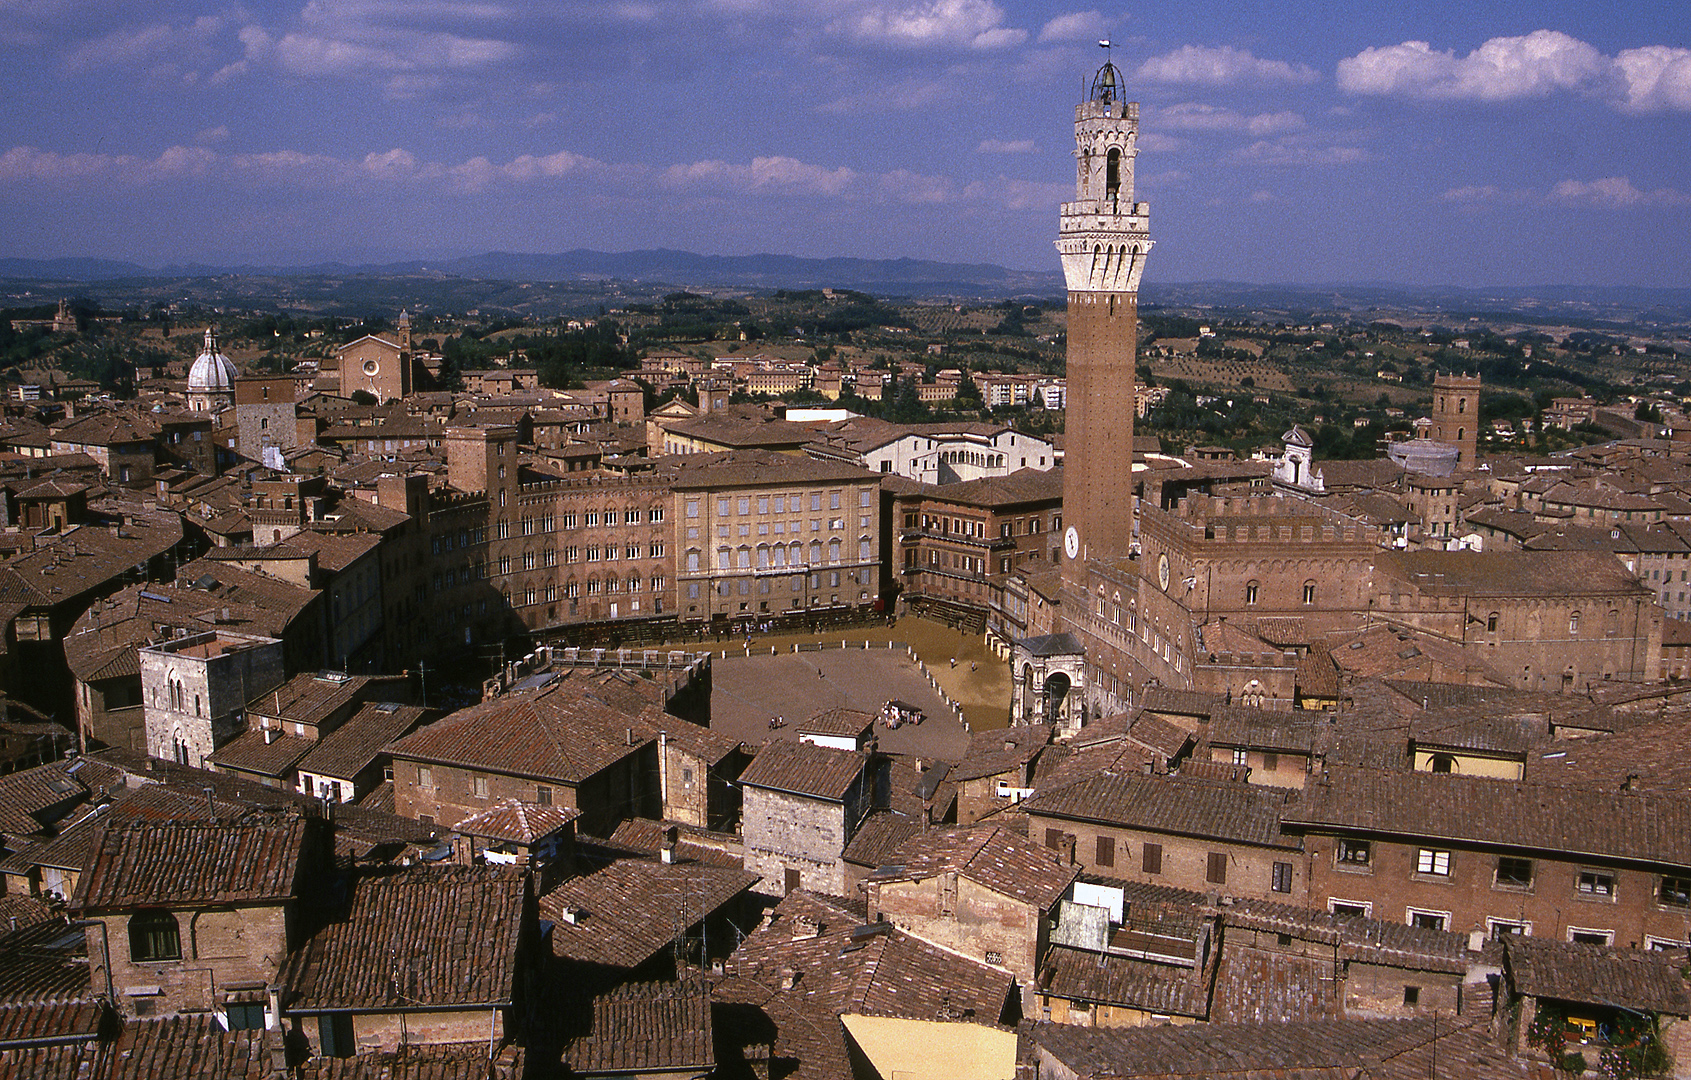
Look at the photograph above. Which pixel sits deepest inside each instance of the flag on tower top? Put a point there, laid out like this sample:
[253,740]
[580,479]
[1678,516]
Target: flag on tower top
[1104,43]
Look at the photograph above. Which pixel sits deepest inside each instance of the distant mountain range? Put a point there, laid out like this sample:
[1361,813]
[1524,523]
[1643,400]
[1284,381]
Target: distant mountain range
[921,278]
[880,276]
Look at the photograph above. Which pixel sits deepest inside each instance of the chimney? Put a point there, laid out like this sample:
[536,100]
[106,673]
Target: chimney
[572,915]
[1631,779]
[1068,849]
[805,927]
[630,736]
[271,735]
[671,836]
[789,978]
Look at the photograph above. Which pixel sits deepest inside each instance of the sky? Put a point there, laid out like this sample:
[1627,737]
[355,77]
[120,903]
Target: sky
[1477,144]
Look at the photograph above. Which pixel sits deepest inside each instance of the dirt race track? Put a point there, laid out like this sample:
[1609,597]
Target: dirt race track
[747,691]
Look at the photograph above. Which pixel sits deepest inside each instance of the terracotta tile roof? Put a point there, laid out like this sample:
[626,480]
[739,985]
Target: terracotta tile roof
[646,1027]
[818,772]
[1166,699]
[844,966]
[103,428]
[1651,826]
[837,721]
[1255,987]
[994,492]
[103,643]
[18,910]
[181,1048]
[361,739]
[1212,809]
[34,799]
[379,798]
[553,733]
[1334,1049]
[1373,941]
[1506,573]
[38,1023]
[442,1061]
[420,937]
[628,911]
[517,822]
[251,752]
[1157,734]
[233,585]
[990,855]
[878,839]
[313,697]
[359,830]
[42,963]
[994,752]
[1082,975]
[1260,729]
[1595,974]
[189,864]
[86,557]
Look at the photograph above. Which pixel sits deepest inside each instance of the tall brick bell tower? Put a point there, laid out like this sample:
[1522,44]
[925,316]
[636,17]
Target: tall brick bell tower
[1103,237]
[1067,677]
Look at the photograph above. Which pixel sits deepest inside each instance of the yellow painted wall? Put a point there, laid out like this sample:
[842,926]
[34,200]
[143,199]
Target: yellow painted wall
[933,1049]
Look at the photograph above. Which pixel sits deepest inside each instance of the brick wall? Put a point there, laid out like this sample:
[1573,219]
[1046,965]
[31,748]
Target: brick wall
[965,917]
[1185,861]
[242,945]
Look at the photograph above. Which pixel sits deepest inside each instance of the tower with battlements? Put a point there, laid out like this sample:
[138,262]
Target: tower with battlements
[1103,238]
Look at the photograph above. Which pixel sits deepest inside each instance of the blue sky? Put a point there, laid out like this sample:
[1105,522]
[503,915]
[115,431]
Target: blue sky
[1469,144]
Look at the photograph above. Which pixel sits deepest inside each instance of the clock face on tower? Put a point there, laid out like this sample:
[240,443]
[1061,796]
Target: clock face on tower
[1071,543]
[1162,571]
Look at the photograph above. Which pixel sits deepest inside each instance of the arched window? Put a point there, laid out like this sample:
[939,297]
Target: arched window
[1461,404]
[153,935]
[1491,623]
[1251,590]
[1573,624]
[1309,592]
[745,558]
[1443,763]
[1112,172]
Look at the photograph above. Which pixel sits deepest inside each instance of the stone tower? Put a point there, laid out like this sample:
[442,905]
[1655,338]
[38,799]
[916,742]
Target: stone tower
[1456,415]
[1103,237]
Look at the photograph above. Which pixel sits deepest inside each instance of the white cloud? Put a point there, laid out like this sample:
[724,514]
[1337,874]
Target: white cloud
[1648,79]
[774,175]
[1077,26]
[1194,116]
[901,95]
[1222,65]
[212,134]
[1655,77]
[1502,69]
[1281,152]
[1004,193]
[1261,196]
[969,24]
[1156,142]
[904,186]
[1614,192]
[1005,146]
[1472,194]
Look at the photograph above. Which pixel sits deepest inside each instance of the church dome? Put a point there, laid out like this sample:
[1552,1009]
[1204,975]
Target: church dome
[212,373]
